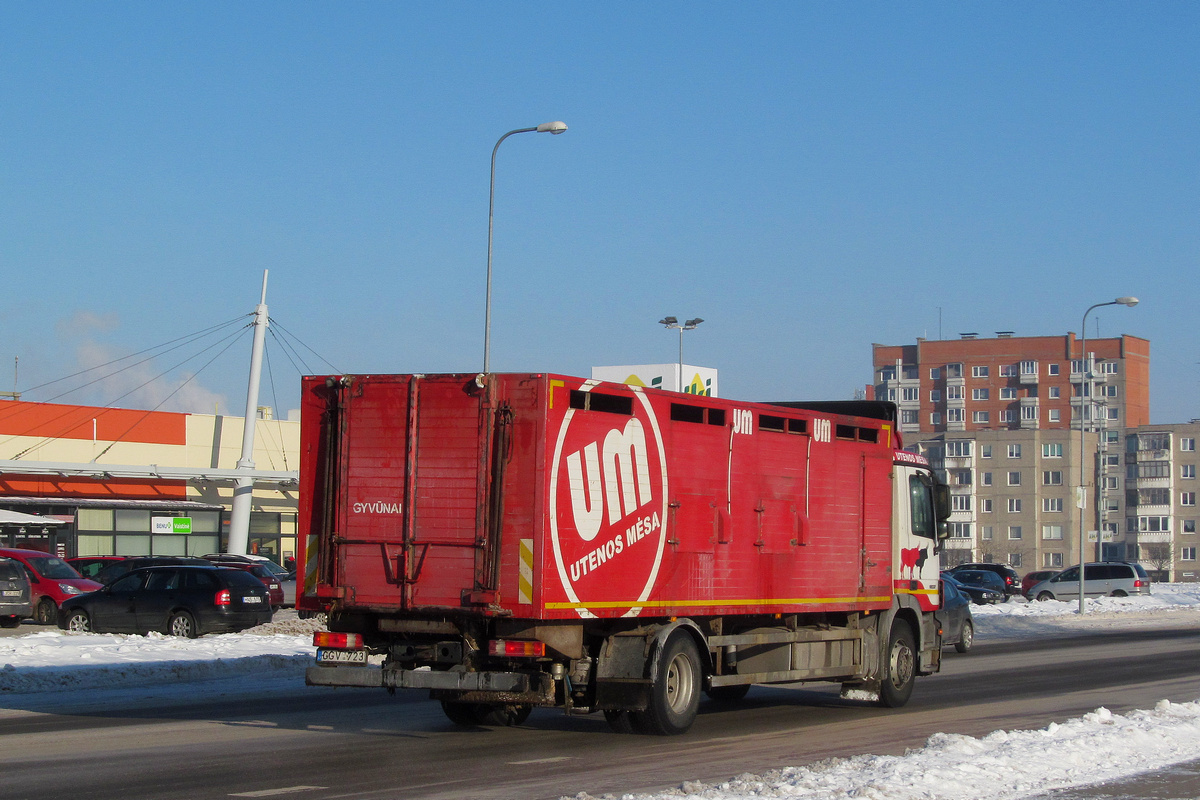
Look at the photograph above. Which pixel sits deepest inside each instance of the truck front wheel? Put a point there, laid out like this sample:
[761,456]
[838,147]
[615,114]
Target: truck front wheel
[675,696]
[900,667]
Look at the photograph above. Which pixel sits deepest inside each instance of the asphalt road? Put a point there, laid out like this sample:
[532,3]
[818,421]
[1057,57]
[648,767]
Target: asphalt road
[321,744]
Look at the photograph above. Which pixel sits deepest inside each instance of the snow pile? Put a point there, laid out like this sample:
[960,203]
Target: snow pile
[1004,765]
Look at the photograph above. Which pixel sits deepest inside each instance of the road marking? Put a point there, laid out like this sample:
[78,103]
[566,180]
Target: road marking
[540,761]
[274,792]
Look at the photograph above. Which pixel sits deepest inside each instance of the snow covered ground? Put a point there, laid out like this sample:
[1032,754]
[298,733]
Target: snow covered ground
[39,668]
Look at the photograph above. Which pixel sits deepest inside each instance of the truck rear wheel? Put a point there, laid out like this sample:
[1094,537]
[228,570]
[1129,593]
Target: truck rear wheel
[675,696]
[900,668]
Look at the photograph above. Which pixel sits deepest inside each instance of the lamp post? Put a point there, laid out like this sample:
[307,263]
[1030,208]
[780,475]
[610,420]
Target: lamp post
[1085,397]
[554,128]
[673,322]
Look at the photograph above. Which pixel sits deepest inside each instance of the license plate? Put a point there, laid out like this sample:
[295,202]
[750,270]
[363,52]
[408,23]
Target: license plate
[341,656]
[252,599]
[16,593]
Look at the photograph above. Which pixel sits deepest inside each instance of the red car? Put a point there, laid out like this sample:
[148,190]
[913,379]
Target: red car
[51,581]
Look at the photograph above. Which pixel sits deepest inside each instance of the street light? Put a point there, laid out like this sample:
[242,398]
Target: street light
[1084,392]
[673,322]
[554,128]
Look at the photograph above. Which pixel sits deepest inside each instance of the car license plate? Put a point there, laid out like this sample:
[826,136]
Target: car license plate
[251,599]
[13,593]
[341,656]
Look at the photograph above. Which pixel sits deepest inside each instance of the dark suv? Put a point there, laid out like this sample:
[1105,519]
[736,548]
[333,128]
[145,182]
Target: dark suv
[16,601]
[1012,581]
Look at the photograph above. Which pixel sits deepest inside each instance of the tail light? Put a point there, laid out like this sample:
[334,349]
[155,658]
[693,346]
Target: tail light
[223,598]
[519,648]
[1138,584]
[341,641]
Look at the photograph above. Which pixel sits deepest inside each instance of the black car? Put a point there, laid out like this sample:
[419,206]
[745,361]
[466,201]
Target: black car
[958,626]
[1012,581]
[16,600]
[981,586]
[116,568]
[179,600]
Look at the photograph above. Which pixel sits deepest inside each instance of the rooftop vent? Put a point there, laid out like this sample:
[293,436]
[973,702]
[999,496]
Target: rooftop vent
[1005,334]
[969,335]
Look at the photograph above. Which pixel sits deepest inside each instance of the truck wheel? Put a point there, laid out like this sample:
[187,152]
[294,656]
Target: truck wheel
[900,669]
[46,612]
[619,720]
[967,639]
[727,694]
[675,696]
[465,714]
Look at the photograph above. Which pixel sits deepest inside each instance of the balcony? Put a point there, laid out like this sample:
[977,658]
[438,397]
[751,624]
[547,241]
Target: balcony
[1029,377]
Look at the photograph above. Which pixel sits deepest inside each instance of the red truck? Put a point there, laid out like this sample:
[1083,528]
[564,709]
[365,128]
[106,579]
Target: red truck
[510,541]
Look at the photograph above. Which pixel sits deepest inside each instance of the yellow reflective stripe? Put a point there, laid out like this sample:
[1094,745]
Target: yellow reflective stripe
[785,601]
[525,579]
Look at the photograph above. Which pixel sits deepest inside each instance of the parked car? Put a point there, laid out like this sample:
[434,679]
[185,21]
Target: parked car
[51,581]
[271,574]
[958,626]
[89,566]
[16,599]
[1035,577]
[981,586]
[1104,578]
[180,600]
[125,564]
[1012,581]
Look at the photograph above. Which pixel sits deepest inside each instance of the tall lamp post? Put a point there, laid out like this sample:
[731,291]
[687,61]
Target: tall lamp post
[1085,400]
[673,322]
[554,128]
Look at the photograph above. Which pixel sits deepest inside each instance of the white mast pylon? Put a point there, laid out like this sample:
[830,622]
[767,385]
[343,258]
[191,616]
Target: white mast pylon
[243,492]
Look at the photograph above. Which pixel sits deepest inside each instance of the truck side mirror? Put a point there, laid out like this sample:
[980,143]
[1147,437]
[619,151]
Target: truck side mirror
[941,501]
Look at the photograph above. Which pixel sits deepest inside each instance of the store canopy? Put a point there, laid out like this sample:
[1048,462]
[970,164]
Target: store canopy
[18,518]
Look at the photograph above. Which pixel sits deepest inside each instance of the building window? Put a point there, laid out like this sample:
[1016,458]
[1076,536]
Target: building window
[1187,554]
[1014,478]
[888,395]
[1113,413]
[1014,559]
[1187,498]
[1108,391]
[1008,415]
[1111,483]
[954,393]
[934,373]
[960,477]
[1153,469]
[935,395]
[935,418]
[1052,505]
[980,417]
[979,394]
[1014,451]
[1052,451]
[1008,371]
[1054,392]
[985,505]
[979,372]
[1154,524]
[1052,369]
[1076,366]
[909,372]
[985,479]
[1014,532]
[1029,412]
[908,417]
[1189,526]
[1054,415]
[1153,497]
[1029,368]
[960,502]
[958,448]
[954,415]
[1014,505]
[1052,560]
[985,532]
[1052,532]
[911,394]
[1052,477]
[1008,393]
[887,374]
[954,370]
[1187,471]
[1187,443]
[985,451]
[1108,368]
[960,530]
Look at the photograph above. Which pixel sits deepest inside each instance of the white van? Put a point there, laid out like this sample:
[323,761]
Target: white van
[1102,579]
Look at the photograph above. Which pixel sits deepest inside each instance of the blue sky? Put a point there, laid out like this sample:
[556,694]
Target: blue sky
[807,177]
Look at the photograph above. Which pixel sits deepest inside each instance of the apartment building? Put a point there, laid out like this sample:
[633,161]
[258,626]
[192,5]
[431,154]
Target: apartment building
[1160,497]
[1001,418]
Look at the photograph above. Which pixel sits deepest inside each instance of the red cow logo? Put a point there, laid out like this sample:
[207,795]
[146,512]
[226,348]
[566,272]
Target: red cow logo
[912,559]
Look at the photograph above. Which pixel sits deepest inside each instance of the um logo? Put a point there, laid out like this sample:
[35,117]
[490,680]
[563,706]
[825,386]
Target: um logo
[616,478]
